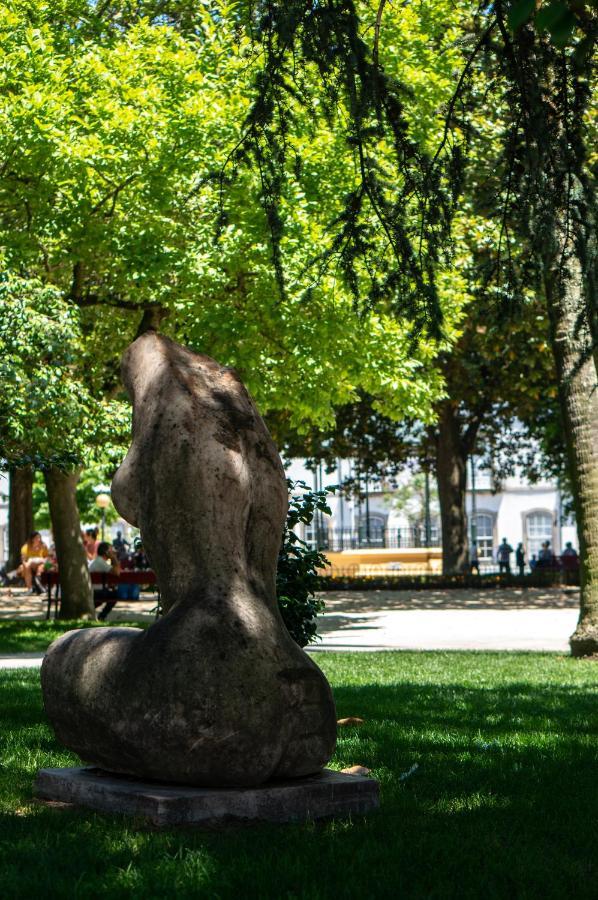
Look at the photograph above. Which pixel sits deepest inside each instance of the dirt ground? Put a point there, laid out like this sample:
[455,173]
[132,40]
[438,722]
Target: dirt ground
[16,603]
[474,619]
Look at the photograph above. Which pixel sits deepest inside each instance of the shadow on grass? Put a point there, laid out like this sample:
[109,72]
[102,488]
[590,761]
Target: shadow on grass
[497,711]
[502,804]
[490,597]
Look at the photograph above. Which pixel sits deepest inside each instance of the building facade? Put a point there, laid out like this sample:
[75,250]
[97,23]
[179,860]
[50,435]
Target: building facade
[397,526]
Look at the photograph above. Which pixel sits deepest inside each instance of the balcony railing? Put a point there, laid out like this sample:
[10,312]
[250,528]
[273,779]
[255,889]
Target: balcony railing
[374,538]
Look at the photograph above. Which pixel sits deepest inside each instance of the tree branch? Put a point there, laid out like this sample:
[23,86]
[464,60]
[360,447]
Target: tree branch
[377,26]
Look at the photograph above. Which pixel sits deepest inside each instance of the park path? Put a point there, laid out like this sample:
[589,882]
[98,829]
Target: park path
[492,619]
[472,619]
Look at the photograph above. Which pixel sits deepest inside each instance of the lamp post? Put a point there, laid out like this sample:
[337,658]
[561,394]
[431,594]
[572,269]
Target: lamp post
[474,517]
[427,523]
[103,502]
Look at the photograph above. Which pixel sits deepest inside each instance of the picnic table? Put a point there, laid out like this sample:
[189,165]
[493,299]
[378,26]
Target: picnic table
[51,581]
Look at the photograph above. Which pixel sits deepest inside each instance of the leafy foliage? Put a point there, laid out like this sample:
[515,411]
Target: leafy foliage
[121,199]
[89,513]
[47,413]
[393,222]
[297,577]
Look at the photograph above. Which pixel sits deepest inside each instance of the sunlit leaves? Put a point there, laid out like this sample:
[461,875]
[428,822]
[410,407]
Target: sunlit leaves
[47,412]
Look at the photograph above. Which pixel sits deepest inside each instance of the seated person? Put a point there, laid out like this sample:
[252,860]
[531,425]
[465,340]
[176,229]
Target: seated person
[127,591]
[106,563]
[140,560]
[135,560]
[90,542]
[33,554]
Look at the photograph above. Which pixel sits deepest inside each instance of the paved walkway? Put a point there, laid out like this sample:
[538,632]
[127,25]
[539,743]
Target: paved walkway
[490,619]
[493,619]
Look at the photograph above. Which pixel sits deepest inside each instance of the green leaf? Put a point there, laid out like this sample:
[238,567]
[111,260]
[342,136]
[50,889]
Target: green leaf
[550,14]
[519,13]
[562,30]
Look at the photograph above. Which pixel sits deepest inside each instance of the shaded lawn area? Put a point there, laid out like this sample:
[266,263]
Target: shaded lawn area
[31,636]
[502,804]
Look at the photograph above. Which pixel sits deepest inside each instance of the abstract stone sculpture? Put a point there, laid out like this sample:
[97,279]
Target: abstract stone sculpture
[215,693]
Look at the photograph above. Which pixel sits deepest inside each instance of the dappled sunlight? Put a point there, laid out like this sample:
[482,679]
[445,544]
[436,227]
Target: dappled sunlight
[489,758]
[338,602]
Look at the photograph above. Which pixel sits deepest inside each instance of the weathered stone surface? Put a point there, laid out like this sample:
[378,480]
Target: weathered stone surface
[216,693]
[314,797]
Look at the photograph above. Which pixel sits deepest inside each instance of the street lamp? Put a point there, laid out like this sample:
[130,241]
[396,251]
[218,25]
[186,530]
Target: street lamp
[103,501]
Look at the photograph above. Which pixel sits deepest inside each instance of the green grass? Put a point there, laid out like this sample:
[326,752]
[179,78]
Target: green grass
[503,802]
[32,636]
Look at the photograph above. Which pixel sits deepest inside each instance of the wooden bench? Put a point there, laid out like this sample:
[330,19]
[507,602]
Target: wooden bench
[127,576]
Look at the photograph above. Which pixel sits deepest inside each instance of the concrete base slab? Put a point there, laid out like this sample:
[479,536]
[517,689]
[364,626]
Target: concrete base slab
[329,794]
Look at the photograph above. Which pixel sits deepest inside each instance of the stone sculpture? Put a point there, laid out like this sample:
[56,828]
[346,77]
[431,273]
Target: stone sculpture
[215,693]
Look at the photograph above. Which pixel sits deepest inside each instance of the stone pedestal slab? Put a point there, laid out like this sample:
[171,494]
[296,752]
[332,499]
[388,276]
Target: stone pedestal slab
[329,794]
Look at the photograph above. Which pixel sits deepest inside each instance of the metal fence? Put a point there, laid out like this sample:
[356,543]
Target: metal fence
[372,538]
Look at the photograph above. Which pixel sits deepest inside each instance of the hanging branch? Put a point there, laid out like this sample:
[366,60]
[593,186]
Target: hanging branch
[406,201]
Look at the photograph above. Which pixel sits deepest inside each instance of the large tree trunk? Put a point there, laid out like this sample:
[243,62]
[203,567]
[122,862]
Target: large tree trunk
[572,344]
[20,512]
[451,475]
[75,583]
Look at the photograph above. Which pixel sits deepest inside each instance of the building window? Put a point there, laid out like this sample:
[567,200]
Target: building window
[538,530]
[484,524]
[372,530]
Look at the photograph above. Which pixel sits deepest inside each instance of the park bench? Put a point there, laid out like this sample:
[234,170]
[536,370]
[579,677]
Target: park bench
[51,582]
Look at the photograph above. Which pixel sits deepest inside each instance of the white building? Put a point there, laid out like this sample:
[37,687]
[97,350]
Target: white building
[520,512]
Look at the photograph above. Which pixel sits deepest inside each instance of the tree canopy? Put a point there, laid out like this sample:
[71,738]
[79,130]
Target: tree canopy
[120,186]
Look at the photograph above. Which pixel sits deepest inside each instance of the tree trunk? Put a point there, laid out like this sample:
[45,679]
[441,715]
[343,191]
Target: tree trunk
[451,475]
[572,345]
[20,513]
[75,583]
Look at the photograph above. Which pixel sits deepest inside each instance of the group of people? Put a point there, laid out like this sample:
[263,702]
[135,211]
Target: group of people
[102,557]
[544,559]
[111,559]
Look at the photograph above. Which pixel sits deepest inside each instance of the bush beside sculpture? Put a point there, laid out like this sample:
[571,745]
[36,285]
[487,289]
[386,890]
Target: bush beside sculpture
[297,576]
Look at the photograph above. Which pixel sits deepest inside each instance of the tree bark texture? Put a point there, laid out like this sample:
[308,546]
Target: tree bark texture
[552,92]
[20,512]
[572,345]
[75,583]
[451,475]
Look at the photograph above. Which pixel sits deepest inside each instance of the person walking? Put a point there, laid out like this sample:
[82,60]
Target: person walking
[504,557]
[570,552]
[121,545]
[545,555]
[520,559]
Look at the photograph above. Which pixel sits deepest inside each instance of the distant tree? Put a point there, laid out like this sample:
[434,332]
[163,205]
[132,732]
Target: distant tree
[47,415]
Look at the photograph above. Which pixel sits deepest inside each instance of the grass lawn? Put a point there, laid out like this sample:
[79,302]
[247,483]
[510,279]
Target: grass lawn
[31,635]
[503,802]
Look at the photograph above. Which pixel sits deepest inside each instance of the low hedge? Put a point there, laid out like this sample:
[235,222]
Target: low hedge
[545,578]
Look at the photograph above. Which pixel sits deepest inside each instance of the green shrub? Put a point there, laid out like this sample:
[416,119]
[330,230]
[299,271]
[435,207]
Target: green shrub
[297,578]
[539,578]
